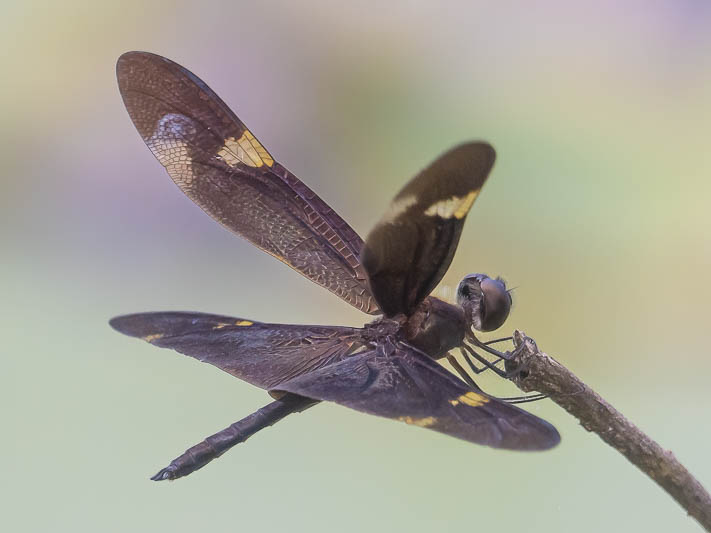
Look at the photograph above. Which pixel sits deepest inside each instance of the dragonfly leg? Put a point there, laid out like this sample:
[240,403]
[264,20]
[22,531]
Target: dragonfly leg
[495,341]
[467,378]
[478,370]
[507,357]
[471,364]
[463,373]
[473,367]
[472,338]
[488,364]
[525,399]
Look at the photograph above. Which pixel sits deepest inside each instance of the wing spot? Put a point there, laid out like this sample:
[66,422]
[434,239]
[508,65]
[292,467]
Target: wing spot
[397,208]
[153,337]
[421,422]
[247,150]
[221,325]
[170,145]
[472,399]
[454,207]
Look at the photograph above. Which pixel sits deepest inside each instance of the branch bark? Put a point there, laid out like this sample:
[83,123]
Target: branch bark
[540,372]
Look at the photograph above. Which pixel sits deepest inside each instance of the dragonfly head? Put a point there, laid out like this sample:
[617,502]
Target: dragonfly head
[485,301]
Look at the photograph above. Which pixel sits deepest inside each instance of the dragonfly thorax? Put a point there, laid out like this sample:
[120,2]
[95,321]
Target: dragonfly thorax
[436,327]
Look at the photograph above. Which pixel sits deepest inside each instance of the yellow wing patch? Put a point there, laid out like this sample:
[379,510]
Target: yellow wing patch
[421,422]
[246,150]
[471,399]
[237,323]
[154,337]
[456,206]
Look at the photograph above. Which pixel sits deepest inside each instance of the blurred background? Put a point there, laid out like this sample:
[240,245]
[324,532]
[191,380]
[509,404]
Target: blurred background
[597,211]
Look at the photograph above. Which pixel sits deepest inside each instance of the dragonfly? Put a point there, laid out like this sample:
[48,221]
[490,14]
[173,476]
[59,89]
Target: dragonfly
[389,367]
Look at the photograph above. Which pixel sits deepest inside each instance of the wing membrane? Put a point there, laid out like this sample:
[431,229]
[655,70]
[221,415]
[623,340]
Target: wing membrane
[219,164]
[408,386]
[413,244]
[262,354]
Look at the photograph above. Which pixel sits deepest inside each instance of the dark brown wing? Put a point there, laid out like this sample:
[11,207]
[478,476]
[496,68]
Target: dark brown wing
[411,247]
[217,162]
[408,386]
[264,355]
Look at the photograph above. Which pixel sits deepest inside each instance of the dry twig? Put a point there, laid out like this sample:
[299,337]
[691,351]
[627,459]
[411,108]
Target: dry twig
[540,372]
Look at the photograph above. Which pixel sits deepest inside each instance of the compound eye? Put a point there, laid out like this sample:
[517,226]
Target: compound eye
[469,291]
[496,304]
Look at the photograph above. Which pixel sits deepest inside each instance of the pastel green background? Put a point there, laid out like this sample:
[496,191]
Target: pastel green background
[597,211]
